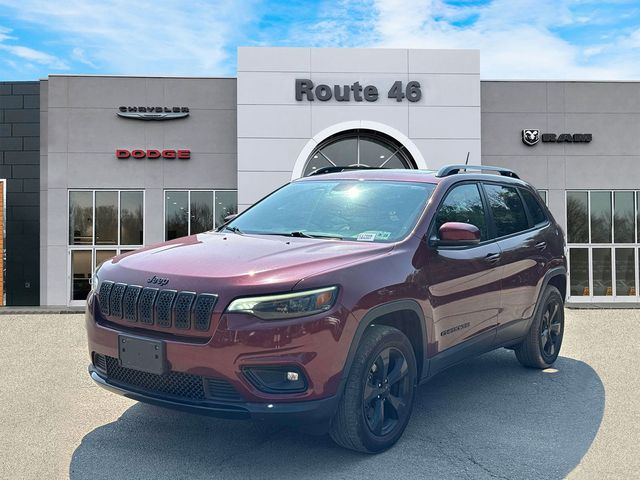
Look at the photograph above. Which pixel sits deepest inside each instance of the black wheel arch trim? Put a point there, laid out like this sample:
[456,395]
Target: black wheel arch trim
[552,272]
[380,311]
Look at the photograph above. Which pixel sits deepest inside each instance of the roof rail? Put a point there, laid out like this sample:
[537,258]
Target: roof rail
[336,169]
[455,169]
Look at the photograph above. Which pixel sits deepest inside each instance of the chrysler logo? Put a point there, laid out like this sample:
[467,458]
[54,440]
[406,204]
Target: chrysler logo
[152,113]
[530,136]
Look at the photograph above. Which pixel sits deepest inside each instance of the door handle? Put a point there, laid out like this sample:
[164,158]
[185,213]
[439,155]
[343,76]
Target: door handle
[541,245]
[492,258]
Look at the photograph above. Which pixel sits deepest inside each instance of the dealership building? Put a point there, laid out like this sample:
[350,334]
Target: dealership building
[93,166]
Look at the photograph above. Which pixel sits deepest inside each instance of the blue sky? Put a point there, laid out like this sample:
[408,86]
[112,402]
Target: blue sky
[529,39]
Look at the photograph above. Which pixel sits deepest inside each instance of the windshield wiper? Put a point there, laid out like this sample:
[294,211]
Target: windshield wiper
[301,234]
[233,229]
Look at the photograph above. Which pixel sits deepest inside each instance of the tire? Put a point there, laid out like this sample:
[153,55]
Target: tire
[541,346]
[375,424]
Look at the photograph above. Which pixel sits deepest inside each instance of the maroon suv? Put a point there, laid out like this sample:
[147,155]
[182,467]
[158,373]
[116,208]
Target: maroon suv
[327,302]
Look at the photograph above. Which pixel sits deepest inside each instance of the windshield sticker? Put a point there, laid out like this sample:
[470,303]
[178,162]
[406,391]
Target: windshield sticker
[366,237]
[373,235]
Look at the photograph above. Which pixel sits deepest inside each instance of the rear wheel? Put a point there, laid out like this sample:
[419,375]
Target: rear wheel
[541,346]
[379,392]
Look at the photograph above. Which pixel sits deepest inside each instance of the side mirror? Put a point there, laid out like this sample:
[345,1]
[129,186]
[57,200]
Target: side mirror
[457,234]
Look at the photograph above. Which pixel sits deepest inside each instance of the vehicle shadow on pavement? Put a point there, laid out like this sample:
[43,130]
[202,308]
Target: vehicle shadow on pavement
[485,418]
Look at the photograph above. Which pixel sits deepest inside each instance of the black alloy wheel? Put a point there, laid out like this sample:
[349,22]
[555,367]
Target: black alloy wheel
[386,392]
[541,346]
[550,329]
[378,396]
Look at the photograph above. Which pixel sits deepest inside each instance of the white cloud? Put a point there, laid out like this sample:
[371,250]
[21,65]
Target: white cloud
[35,56]
[516,39]
[140,37]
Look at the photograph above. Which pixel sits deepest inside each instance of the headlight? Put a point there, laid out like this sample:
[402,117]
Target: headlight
[287,305]
[95,280]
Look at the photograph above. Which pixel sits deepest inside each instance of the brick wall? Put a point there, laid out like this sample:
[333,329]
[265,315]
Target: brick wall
[19,165]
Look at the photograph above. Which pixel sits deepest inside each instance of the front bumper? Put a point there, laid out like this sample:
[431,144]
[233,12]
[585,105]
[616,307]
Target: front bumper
[313,413]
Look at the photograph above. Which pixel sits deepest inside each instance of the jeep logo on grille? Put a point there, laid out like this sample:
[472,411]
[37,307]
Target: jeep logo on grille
[158,281]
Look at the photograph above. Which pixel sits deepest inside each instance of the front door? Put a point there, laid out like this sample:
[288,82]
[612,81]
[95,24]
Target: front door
[464,282]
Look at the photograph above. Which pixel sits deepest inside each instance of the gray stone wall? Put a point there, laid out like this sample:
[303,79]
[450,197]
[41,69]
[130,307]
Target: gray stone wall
[19,159]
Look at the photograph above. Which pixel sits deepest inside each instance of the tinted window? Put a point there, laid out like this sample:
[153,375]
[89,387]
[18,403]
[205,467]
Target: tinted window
[537,213]
[508,211]
[366,211]
[577,217]
[463,204]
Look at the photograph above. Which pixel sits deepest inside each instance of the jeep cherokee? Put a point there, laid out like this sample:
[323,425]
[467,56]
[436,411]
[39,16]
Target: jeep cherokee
[326,303]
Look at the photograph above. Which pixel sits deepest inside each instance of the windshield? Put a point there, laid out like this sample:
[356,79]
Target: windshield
[368,211]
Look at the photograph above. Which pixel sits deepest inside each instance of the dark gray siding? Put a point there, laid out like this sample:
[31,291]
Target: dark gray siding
[19,165]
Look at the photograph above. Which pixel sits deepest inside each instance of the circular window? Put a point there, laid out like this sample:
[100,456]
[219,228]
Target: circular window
[359,148]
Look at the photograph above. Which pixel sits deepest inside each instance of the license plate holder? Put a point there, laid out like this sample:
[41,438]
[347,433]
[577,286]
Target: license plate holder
[142,354]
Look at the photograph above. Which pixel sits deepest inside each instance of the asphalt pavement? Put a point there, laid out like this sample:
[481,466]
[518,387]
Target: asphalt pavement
[485,418]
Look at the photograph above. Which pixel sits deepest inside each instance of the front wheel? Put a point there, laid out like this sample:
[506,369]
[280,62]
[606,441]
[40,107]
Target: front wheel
[541,346]
[378,397]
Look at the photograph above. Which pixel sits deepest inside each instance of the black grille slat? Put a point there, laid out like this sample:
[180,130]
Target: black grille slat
[182,309]
[115,299]
[100,362]
[218,389]
[103,297]
[203,310]
[130,302]
[145,305]
[177,384]
[163,307]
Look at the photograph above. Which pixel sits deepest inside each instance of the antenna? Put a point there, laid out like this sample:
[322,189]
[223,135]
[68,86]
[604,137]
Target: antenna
[466,162]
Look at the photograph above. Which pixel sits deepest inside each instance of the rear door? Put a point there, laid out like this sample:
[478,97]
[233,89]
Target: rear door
[464,282]
[521,237]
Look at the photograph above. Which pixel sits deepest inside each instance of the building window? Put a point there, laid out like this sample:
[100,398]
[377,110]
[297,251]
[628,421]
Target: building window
[102,224]
[189,212]
[359,148]
[603,236]
[543,195]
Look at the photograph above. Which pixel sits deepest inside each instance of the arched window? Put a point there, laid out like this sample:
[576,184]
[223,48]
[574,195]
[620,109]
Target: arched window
[359,147]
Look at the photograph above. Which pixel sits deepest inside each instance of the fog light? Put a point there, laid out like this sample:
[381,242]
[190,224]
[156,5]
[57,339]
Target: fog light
[275,379]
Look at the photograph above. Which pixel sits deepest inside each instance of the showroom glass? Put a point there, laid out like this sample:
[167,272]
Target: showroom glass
[577,217]
[359,148]
[600,217]
[100,223]
[463,204]
[189,212]
[378,211]
[507,209]
[543,196]
[603,252]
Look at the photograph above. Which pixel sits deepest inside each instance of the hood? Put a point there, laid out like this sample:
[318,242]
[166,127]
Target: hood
[216,261]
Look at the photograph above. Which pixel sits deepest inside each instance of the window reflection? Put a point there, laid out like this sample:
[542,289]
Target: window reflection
[131,218]
[106,218]
[601,272]
[600,217]
[226,204]
[80,274]
[176,214]
[201,211]
[80,218]
[625,272]
[579,271]
[577,217]
[623,220]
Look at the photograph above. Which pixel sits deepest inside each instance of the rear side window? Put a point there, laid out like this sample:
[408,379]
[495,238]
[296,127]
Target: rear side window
[537,213]
[463,204]
[507,209]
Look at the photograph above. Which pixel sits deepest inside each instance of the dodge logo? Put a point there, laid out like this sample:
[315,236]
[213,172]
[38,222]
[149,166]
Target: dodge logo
[530,136]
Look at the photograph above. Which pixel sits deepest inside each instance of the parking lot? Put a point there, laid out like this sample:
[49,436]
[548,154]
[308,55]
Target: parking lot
[485,418]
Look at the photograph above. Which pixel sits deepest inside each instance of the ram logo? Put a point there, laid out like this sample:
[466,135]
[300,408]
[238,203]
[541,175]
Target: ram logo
[530,136]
